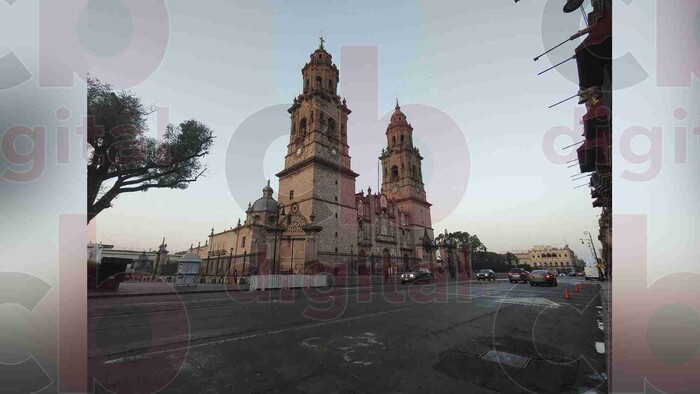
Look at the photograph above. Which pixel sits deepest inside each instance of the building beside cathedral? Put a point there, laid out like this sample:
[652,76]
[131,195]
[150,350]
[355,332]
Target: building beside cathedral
[319,223]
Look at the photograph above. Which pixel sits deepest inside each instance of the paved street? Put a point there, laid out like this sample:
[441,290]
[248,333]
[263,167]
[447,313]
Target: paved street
[371,339]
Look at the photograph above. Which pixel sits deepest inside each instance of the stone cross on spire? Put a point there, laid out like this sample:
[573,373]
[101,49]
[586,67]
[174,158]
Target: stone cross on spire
[322,40]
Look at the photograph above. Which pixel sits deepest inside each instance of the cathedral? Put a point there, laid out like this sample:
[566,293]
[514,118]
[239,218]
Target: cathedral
[319,223]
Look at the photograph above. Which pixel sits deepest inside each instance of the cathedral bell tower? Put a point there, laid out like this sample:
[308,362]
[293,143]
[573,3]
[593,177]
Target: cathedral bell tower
[402,179]
[401,161]
[317,175]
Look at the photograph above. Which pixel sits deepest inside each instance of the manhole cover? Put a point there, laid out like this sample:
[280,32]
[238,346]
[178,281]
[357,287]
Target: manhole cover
[512,359]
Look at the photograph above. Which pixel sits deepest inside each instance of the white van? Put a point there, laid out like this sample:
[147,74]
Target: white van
[591,272]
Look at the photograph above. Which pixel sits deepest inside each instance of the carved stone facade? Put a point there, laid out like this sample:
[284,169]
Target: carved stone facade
[321,223]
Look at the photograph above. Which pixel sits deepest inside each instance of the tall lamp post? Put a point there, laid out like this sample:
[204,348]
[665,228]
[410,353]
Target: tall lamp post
[208,263]
[595,255]
[245,254]
[352,261]
[230,256]
[277,230]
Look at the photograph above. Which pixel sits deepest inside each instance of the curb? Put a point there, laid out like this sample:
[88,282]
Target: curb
[117,295]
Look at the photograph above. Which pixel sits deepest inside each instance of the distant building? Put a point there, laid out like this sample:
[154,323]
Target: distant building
[552,258]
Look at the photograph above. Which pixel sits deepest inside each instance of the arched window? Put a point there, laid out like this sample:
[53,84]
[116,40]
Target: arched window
[394,173]
[330,84]
[302,126]
[402,138]
[331,126]
[393,141]
[306,84]
[319,81]
[415,173]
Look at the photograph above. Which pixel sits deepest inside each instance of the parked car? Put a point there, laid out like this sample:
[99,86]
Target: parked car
[413,276]
[486,274]
[572,273]
[542,277]
[517,275]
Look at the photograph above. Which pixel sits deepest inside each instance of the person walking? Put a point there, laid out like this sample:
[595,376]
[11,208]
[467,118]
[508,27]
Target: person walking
[235,276]
[386,275]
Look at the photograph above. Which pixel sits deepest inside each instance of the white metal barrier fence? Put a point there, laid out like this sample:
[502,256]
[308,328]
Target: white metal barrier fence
[262,282]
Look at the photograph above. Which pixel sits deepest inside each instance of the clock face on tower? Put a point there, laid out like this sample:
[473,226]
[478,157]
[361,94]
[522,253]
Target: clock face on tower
[299,152]
[395,189]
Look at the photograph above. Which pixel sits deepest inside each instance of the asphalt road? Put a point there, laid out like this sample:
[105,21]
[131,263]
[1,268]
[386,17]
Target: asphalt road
[372,339]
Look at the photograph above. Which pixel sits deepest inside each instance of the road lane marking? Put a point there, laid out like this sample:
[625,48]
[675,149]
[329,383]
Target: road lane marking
[188,348]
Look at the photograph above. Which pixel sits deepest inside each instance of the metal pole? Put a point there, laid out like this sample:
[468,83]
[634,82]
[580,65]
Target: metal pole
[592,246]
[291,258]
[563,42]
[238,231]
[230,256]
[557,65]
[565,100]
[274,258]
[569,146]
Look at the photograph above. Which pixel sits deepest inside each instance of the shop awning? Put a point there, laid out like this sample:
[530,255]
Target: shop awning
[595,121]
[594,152]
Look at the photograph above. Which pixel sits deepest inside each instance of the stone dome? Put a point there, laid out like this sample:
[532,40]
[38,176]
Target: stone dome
[266,203]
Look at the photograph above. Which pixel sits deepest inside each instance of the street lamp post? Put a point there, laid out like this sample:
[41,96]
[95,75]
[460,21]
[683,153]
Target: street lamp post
[230,256]
[208,263]
[277,229]
[352,261]
[291,256]
[592,245]
[595,255]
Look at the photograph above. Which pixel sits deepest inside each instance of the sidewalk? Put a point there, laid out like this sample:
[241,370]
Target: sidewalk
[135,289]
[606,303]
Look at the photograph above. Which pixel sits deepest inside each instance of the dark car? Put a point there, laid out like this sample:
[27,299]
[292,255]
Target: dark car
[414,276]
[485,275]
[542,277]
[518,275]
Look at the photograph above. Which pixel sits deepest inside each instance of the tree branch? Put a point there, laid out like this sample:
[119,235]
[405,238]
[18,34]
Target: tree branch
[160,186]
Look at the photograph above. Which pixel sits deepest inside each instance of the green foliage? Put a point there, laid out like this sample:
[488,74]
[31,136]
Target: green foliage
[461,239]
[526,267]
[124,159]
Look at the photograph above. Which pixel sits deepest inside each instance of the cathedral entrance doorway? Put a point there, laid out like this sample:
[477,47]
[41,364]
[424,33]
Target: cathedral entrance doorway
[405,262]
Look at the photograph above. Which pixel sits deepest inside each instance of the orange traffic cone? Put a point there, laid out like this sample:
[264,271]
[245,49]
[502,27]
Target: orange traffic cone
[576,289]
[567,296]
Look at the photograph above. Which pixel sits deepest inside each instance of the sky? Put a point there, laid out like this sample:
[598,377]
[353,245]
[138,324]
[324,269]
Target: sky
[463,73]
